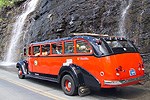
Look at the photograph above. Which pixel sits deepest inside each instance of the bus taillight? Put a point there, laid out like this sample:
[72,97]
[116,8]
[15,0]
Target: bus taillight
[141,66]
[119,69]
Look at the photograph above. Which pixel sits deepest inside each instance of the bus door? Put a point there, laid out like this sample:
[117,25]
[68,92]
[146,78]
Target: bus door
[84,50]
[35,60]
[56,58]
[44,61]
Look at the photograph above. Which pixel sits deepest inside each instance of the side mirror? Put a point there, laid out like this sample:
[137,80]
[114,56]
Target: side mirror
[24,51]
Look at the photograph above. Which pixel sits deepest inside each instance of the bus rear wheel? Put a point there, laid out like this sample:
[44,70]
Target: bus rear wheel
[20,74]
[68,85]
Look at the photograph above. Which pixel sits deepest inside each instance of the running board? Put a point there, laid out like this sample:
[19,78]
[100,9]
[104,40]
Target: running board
[42,77]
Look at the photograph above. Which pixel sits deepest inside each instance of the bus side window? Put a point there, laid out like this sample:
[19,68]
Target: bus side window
[57,48]
[45,50]
[69,47]
[36,50]
[83,47]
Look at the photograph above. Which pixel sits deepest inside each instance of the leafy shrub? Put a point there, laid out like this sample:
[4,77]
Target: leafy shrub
[5,3]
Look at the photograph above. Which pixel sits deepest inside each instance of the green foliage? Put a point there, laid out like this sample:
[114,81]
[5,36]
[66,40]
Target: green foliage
[4,3]
[1,19]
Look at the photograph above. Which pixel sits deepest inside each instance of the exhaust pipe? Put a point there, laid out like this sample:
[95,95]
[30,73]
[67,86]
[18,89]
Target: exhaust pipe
[83,90]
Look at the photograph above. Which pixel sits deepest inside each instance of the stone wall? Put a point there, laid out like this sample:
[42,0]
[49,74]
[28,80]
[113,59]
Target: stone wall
[58,18]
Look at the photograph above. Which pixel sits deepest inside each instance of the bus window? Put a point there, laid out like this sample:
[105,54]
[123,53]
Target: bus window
[36,50]
[103,49]
[45,50]
[83,47]
[69,47]
[57,48]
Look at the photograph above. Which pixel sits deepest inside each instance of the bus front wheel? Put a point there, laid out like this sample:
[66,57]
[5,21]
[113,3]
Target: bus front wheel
[20,74]
[68,85]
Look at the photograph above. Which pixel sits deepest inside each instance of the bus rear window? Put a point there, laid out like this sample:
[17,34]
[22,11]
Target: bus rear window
[121,46]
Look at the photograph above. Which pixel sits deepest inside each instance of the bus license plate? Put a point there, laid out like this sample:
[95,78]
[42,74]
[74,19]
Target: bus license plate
[132,72]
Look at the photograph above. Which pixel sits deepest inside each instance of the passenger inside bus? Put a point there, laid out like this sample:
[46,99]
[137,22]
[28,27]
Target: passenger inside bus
[69,50]
[36,51]
[37,54]
[45,50]
[84,49]
[56,49]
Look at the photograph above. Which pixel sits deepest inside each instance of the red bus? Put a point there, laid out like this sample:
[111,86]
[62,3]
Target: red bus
[84,62]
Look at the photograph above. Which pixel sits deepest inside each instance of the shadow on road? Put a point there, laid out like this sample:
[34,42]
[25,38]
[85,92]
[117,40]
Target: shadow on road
[48,84]
[131,92]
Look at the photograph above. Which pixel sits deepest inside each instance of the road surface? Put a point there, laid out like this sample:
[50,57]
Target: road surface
[12,88]
[11,91]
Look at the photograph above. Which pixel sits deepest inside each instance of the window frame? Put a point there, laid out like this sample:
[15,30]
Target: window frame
[49,52]
[33,50]
[85,53]
[73,47]
[60,42]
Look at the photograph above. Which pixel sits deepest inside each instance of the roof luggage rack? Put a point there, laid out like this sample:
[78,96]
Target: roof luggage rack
[88,34]
[99,35]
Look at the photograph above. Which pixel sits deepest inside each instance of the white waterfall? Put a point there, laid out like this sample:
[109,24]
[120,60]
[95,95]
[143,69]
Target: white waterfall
[125,7]
[17,32]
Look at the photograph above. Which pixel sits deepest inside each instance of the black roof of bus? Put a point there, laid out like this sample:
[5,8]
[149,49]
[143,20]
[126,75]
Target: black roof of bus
[89,38]
[86,37]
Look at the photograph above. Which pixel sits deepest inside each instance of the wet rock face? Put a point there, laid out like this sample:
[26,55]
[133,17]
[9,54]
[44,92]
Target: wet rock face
[59,18]
[4,24]
[7,18]
[140,26]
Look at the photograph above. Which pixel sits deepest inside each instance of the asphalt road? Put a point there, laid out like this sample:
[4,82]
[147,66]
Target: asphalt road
[11,91]
[13,88]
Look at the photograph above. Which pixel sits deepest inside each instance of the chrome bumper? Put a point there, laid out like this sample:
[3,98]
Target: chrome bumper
[126,81]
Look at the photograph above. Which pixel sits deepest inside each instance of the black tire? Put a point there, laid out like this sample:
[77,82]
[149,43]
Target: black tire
[68,85]
[20,74]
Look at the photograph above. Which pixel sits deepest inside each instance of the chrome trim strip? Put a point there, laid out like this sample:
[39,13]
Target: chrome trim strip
[121,82]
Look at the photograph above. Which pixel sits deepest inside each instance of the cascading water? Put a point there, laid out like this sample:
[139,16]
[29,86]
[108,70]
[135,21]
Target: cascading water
[12,53]
[125,7]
